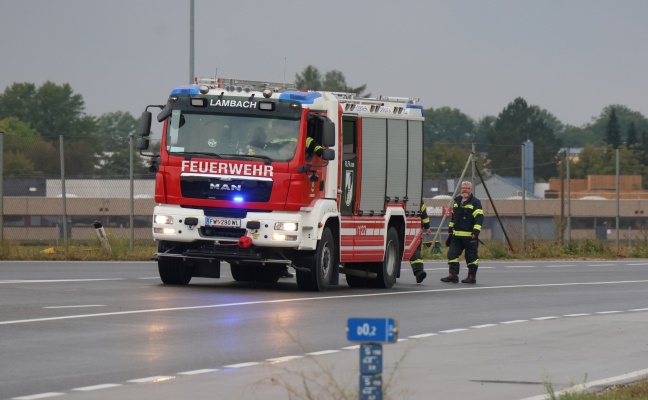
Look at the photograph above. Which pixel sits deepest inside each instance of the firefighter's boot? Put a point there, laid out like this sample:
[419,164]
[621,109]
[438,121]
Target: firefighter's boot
[453,275]
[472,275]
[420,275]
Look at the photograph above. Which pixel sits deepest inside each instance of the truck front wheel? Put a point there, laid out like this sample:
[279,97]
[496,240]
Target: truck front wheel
[172,269]
[318,269]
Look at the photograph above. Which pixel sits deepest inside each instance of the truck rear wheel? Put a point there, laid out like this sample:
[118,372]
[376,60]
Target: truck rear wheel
[244,272]
[388,269]
[318,269]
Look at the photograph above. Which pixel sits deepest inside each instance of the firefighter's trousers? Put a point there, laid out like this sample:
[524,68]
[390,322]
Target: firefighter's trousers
[416,261]
[459,245]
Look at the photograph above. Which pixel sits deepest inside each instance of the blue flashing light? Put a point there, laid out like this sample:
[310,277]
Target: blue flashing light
[301,97]
[189,89]
[420,107]
[238,199]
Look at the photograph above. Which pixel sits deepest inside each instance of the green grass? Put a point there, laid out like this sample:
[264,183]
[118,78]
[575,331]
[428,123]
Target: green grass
[631,391]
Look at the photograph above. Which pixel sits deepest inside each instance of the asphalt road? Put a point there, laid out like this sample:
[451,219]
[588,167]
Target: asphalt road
[112,330]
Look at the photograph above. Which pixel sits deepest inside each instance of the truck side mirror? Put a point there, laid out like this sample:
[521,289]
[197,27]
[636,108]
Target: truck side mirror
[328,134]
[142,143]
[328,154]
[144,131]
[145,124]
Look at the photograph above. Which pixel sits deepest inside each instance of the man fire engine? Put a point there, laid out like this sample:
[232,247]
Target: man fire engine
[238,182]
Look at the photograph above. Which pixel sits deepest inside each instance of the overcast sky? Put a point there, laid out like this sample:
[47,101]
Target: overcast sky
[571,57]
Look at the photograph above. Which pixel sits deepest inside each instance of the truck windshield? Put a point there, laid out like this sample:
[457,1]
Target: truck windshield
[232,135]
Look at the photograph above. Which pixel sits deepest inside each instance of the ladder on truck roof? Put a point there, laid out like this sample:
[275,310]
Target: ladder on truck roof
[242,85]
[351,100]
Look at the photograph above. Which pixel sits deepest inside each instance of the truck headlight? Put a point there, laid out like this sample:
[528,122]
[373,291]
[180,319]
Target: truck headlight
[285,226]
[163,219]
[283,238]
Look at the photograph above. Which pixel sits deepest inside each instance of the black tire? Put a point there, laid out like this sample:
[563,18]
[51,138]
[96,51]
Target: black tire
[357,281]
[388,269]
[316,276]
[269,273]
[242,272]
[172,270]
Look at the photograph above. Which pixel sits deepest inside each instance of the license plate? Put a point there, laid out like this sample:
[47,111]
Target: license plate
[224,222]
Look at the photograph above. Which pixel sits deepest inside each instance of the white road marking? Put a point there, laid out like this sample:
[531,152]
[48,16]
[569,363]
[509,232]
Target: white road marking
[198,371]
[159,378]
[39,396]
[354,347]
[423,335]
[544,318]
[639,309]
[79,306]
[576,315]
[60,280]
[242,365]
[608,312]
[454,330]
[323,352]
[282,359]
[517,321]
[246,303]
[483,326]
[97,387]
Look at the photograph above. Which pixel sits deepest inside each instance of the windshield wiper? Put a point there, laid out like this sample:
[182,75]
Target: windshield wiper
[188,154]
[265,158]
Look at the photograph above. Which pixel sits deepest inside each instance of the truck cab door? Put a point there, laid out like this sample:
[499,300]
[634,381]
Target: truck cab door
[349,165]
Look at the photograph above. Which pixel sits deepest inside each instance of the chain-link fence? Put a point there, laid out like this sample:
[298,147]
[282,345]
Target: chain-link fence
[520,209]
[517,208]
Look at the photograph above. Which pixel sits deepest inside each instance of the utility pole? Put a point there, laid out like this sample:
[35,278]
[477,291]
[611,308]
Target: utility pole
[191,42]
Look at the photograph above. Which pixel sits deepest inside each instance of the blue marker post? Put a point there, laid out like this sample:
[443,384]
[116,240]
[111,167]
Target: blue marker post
[372,332]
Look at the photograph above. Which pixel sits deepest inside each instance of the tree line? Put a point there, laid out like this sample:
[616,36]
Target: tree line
[98,146]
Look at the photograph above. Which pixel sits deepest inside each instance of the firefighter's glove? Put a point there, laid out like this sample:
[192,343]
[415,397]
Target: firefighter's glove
[319,152]
[448,240]
[450,231]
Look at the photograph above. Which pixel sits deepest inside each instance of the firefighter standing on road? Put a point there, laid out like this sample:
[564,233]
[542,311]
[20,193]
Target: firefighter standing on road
[463,234]
[416,262]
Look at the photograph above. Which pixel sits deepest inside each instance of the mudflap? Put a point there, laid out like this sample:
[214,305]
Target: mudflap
[204,268]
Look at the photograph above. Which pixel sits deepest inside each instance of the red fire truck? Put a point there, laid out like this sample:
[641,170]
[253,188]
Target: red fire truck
[263,176]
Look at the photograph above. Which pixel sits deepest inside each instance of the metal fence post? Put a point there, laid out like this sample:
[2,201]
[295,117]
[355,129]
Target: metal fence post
[1,187]
[63,194]
[132,193]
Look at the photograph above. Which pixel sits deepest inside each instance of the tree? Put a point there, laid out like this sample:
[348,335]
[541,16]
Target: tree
[51,110]
[310,79]
[624,116]
[334,81]
[482,128]
[601,160]
[574,136]
[118,165]
[447,158]
[449,125]
[114,130]
[613,131]
[631,137]
[517,123]
[26,153]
